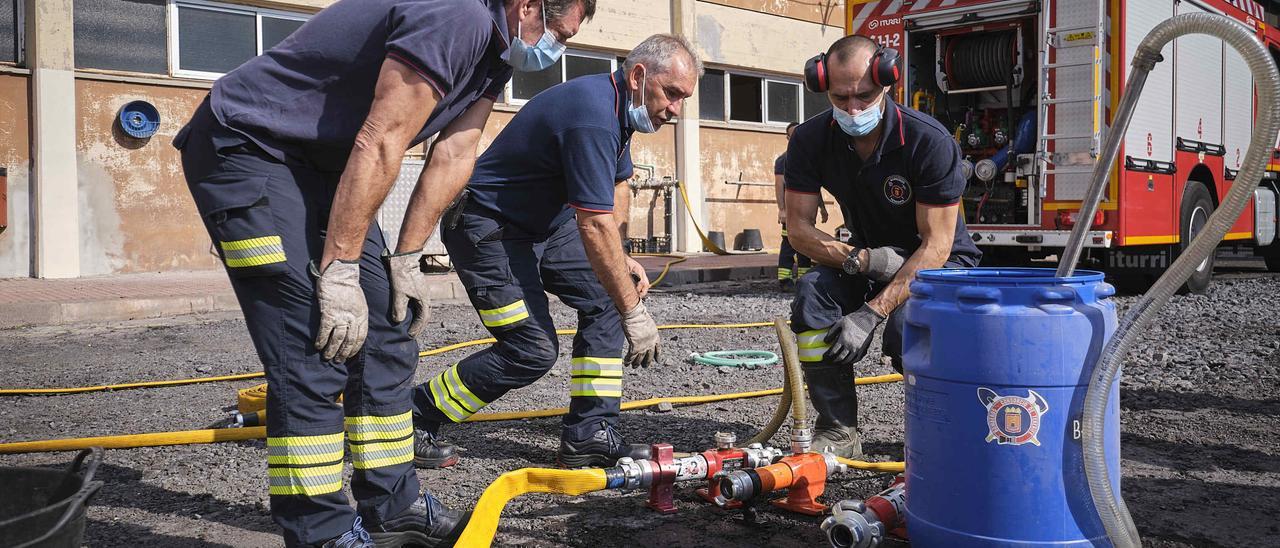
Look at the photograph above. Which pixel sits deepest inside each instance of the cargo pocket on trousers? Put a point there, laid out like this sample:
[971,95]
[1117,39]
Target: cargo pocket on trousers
[238,214]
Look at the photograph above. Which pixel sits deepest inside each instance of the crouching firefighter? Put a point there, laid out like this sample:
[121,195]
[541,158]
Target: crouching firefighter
[896,173]
[540,216]
[287,161]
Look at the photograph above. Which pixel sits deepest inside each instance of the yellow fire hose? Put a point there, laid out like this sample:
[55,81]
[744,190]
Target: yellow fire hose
[216,435]
[484,518]
[422,354]
[706,242]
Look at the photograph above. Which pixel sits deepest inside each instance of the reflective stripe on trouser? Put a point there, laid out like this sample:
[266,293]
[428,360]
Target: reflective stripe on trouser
[801,271]
[304,424]
[304,465]
[253,252]
[505,315]
[824,296]
[498,274]
[599,377]
[452,397]
[380,441]
[812,345]
[784,273]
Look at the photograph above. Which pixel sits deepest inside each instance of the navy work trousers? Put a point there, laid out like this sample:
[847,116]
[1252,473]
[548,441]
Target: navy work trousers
[267,221]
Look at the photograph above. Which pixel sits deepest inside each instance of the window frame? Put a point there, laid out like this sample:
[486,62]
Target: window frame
[764,99]
[508,91]
[257,12]
[20,36]
[798,96]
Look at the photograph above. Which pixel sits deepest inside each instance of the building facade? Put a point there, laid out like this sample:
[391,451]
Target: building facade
[83,198]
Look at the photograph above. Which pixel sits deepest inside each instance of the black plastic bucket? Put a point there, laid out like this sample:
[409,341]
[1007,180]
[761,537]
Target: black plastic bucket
[45,508]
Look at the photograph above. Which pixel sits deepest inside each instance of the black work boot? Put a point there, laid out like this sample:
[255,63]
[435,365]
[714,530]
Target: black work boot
[426,523]
[429,451]
[833,395]
[603,448]
[357,537]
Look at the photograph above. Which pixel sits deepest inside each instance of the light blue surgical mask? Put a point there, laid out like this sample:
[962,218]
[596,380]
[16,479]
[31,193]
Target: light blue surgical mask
[638,114]
[860,124]
[541,55]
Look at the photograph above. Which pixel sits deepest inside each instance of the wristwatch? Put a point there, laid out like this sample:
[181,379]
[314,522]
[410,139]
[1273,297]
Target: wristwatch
[853,263]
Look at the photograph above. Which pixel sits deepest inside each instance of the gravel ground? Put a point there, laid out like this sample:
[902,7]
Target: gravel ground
[1201,458]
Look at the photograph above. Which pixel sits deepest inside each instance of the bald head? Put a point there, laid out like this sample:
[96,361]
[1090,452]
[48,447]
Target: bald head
[854,45]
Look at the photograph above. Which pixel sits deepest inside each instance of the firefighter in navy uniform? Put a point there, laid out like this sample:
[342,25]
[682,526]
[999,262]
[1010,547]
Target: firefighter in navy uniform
[896,172]
[287,161]
[791,265]
[540,216]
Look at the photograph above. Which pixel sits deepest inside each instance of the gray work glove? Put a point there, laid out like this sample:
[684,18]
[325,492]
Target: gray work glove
[642,336]
[851,336]
[344,314]
[409,288]
[884,262]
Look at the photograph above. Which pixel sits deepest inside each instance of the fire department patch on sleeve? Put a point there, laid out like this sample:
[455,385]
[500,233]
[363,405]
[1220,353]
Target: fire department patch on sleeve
[1013,420]
[896,190]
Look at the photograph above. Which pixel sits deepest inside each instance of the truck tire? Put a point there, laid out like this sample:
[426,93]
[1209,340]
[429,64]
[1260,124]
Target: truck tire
[1197,205]
[1271,254]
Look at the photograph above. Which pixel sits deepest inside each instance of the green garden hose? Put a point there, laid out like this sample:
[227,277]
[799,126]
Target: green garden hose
[747,359]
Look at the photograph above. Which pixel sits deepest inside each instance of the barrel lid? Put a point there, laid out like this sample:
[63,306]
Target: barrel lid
[1006,276]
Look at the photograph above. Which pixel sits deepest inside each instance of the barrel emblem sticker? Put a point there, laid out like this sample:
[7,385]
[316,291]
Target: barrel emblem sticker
[1013,420]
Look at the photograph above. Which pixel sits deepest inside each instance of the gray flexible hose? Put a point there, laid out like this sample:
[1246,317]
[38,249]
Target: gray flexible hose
[1111,508]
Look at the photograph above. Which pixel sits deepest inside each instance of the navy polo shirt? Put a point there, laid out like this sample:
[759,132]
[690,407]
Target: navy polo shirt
[304,100]
[780,165]
[917,161]
[567,147]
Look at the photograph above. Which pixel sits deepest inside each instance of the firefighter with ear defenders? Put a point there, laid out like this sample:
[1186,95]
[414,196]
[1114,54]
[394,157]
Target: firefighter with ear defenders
[287,160]
[540,217]
[896,172]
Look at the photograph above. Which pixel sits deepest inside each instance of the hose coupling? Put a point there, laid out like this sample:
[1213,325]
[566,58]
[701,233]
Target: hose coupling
[850,526]
[801,440]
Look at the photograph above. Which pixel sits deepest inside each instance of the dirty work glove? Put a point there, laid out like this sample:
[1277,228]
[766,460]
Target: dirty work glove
[409,287]
[851,335]
[642,336]
[884,262]
[344,314]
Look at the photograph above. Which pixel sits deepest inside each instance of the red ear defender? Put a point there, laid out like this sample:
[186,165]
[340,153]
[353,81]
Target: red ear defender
[884,67]
[815,73]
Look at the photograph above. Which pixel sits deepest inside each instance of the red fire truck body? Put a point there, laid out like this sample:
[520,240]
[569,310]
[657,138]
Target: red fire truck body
[1029,89]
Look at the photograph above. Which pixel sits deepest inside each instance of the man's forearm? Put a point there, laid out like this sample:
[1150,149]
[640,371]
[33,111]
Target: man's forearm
[600,239]
[779,192]
[898,289]
[622,209]
[371,170]
[442,179]
[815,244]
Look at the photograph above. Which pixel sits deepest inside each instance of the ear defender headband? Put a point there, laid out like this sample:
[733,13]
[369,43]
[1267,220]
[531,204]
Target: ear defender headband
[884,70]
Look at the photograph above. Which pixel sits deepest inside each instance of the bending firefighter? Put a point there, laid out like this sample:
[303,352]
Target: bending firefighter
[287,160]
[791,265]
[540,216]
[896,173]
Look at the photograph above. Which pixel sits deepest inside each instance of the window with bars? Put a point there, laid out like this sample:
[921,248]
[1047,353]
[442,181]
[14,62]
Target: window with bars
[725,96]
[524,85]
[10,31]
[211,39]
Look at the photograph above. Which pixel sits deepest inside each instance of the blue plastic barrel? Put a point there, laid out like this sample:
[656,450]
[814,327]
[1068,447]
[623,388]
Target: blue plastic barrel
[997,363]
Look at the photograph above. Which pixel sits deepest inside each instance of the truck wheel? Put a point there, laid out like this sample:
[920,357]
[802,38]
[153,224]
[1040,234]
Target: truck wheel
[1271,254]
[1196,208]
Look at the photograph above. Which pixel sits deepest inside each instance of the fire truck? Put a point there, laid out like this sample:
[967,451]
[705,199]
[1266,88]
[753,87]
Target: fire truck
[1029,88]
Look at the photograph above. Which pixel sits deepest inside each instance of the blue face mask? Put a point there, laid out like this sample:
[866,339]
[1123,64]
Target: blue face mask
[858,125]
[638,114]
[545,53]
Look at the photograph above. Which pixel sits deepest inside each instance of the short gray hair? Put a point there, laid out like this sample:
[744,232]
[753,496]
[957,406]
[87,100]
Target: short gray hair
[657,51]
[555,9]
